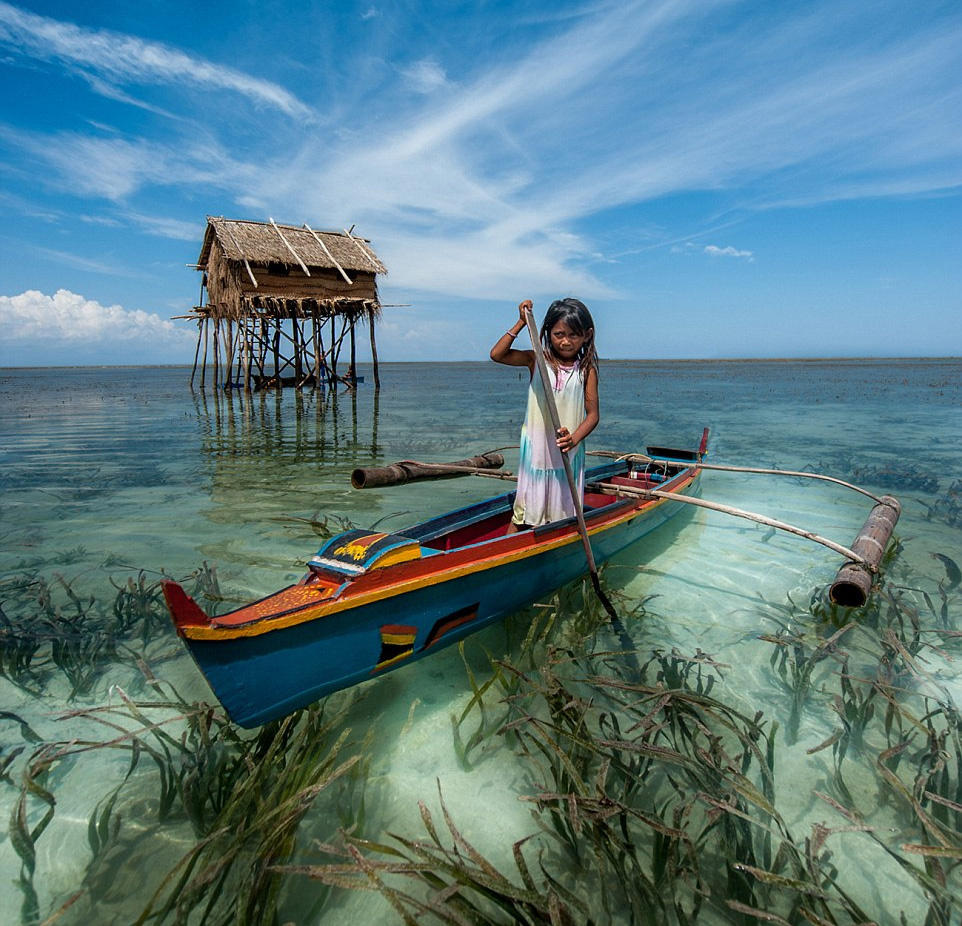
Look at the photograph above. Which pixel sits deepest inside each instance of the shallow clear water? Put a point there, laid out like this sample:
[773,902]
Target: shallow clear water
[105,473]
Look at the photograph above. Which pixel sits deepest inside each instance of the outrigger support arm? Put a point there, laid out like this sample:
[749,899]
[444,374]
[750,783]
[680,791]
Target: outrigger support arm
[642,458]
[728,509]
[854,580]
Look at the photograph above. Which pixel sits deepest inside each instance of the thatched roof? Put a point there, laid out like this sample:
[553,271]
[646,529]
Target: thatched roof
[264,243]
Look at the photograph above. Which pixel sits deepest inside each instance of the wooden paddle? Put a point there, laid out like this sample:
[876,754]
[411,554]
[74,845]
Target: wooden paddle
[572,485]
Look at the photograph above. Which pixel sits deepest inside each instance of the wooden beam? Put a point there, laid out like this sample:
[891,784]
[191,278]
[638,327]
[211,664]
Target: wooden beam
[287,243]
[367,255]
[196,352]
[240,251]
[203,368]
[377,376]
[317,238]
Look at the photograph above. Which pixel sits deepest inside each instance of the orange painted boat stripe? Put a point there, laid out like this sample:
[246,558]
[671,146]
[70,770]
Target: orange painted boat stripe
[328,606]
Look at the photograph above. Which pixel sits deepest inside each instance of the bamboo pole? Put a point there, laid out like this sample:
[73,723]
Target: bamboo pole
[377,377]
[315,327]
[332,366]
[200,323]
[240,251]
[404,471]
[290,247]
[277,351]
[576,498]
[364,251]
[247,358]
[203,369]
[853,582]
[642,458]
[631,492]
[297,340]
[330,256]
[229,350]
[216,353]
[353,356]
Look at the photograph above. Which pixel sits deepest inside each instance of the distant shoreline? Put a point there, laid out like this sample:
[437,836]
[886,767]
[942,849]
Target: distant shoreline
[679,360]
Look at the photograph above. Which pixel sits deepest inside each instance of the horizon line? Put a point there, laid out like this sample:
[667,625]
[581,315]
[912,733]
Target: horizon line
[859,359]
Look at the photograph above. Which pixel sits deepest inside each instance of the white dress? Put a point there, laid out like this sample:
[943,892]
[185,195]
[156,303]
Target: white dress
[543,492]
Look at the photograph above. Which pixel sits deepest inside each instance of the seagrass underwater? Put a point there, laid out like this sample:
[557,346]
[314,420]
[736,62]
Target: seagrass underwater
[760,743]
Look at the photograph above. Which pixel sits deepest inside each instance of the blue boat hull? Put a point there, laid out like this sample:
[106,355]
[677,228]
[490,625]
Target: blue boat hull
[262,677]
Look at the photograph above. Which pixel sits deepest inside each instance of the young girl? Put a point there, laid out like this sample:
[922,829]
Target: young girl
[568,337]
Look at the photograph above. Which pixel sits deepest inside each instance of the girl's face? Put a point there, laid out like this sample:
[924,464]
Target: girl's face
[565,342]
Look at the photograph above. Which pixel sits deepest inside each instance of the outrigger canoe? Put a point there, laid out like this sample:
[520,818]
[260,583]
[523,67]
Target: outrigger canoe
[373,601]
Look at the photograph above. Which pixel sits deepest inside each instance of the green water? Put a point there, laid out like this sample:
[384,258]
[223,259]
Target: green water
[112,476]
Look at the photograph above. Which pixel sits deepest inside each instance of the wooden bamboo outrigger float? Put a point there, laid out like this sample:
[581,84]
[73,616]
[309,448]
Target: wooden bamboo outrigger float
[271,290]
[411,470]
[853,582]
[372,601]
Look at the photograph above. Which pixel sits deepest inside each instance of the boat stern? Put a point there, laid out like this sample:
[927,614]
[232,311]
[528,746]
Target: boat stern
[183,609]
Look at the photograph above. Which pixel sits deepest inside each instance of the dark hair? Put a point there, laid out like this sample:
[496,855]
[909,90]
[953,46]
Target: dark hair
[574,313]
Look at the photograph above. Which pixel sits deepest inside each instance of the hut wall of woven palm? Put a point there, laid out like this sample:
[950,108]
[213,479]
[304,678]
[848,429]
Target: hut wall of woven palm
[256,264]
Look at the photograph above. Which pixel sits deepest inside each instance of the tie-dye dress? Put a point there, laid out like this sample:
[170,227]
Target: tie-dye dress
[543,493]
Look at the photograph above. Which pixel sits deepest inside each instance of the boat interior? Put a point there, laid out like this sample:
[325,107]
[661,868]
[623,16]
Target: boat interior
[607,487]
[490,519]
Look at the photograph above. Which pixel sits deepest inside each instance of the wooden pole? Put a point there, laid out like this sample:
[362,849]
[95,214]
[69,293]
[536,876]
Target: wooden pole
[229,376]
[290,247]
[277,352]
[630,492]
[333,364]
[640,457]
[200,324]
[353,356]
[298,340]
[247,357]
[203,368]
[367,254]
[411,470]
[247,265]
[377,377]
[330,256]
[315,328]
[216,353]
[572,485]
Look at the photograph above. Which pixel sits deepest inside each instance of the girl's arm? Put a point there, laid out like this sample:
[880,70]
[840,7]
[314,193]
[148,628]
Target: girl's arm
[504,351]
[567,442]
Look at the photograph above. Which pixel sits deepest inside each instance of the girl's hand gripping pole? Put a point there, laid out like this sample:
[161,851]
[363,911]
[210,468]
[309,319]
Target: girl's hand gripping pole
[572,485]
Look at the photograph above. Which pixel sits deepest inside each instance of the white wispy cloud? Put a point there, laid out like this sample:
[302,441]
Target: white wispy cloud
[87,264]
[115,167]
[66,318]
[113,57]
[492,182]
[639,101]
[425,76]
[714,251]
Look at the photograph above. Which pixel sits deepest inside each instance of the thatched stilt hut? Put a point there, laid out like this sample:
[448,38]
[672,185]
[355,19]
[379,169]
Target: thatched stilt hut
[279,303]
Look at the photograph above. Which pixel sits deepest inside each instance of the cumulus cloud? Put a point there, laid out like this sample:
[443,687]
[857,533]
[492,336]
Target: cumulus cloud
[69,319]
[715,251]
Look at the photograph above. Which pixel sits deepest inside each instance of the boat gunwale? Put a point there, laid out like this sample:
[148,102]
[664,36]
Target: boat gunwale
[396,580]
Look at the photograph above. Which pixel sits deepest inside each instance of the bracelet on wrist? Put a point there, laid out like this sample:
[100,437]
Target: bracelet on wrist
[511,334]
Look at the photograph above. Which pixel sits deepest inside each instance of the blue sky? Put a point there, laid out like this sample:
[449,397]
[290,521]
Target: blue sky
[715,179]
